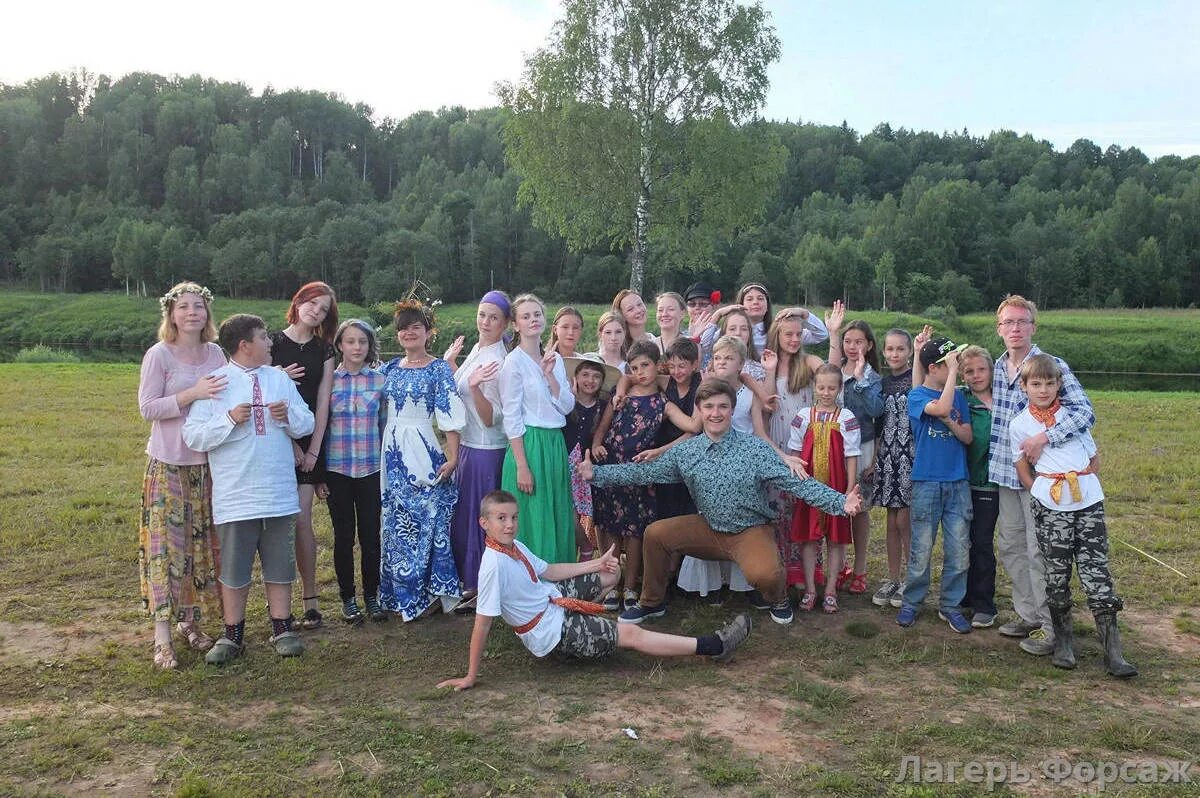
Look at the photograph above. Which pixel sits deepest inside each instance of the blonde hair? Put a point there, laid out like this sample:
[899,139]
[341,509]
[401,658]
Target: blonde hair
[799,373]
[167,331]
[732,343]
[974,351]
[613,317]
[1042,367]
[751,350]
[1017,301]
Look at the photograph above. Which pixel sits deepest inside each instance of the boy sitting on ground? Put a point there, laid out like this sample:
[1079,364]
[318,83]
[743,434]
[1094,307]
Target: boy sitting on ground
[549,606]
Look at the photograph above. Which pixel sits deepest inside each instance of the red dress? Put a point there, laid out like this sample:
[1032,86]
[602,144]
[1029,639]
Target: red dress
[824,449]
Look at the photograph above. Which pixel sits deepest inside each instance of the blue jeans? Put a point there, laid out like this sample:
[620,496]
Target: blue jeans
[950,504]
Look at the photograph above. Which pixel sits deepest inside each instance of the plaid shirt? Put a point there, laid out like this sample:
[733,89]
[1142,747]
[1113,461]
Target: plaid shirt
[356,411]
[1008,399]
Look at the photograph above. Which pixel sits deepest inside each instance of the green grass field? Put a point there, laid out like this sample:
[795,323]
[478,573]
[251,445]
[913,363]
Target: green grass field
[827,706]
[119,328]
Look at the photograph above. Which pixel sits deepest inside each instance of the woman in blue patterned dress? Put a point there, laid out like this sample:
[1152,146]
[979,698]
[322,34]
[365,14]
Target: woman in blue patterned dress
[416,563]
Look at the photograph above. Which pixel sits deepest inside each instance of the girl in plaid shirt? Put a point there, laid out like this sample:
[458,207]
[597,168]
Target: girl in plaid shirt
[352,463]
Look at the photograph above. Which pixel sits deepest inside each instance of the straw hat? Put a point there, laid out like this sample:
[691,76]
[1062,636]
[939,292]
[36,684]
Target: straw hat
[611,373]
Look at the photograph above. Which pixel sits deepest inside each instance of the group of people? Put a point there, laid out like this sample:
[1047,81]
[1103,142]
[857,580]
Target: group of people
[564,485]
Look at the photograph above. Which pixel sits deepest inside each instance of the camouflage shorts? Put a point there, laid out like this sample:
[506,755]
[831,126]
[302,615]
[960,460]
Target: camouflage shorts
[585,636]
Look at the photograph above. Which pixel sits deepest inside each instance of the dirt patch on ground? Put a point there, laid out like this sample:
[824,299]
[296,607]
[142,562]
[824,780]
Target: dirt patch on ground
[40,642]
[128,779]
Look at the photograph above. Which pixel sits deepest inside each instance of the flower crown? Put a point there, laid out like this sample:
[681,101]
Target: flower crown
[166,300]
[419,299]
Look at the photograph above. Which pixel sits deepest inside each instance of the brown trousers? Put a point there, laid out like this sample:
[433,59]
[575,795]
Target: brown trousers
[753,549]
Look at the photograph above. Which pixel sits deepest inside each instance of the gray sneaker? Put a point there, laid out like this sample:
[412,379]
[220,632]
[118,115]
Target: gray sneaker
[897,599]
[288,644]
[983,620]
[733,635]
[1038,643]
[887,589]
[224,650]
[1018,628]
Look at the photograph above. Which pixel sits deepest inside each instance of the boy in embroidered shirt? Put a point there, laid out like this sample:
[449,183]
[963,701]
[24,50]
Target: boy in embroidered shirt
[248,432]
[1068,513]
[550,607]
[941,493]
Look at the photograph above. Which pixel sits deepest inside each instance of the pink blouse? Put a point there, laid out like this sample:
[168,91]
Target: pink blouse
[163,376]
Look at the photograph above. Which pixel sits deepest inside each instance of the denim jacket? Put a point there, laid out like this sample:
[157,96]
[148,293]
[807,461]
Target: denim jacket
[864,398]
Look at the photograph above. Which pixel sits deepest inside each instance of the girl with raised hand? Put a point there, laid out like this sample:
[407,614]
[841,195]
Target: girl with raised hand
[482,446]
[176,561]
[416,564]
[304,349]
[535,398]
[853,350]
[352,465]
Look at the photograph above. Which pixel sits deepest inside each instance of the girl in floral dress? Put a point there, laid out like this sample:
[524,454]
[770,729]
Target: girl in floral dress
[416,562]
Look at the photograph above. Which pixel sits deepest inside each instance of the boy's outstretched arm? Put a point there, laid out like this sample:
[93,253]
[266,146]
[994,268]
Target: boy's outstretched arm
[556,572]
[479,636]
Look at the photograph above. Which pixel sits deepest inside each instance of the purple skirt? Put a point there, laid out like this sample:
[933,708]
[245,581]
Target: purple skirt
[477,474]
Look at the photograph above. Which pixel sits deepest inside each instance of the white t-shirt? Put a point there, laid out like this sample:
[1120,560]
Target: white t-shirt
[476,434]
[1072,455]
[506,590]
[851,435]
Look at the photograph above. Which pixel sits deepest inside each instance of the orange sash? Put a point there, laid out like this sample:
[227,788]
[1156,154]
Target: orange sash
[572,604]
[1072,480]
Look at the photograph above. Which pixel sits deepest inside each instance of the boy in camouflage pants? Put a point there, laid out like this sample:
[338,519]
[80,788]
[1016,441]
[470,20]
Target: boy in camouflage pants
[1068,511]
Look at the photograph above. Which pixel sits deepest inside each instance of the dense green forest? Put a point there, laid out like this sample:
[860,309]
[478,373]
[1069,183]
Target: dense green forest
[137,182]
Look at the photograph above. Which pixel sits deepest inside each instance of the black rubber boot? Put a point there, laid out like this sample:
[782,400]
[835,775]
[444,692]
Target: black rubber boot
[1063,655]
[1110,638]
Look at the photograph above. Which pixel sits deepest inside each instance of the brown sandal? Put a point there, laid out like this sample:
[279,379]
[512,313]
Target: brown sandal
[196,639]
[164,657]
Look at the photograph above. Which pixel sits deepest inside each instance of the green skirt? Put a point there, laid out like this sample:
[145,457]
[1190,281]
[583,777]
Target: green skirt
[546,523]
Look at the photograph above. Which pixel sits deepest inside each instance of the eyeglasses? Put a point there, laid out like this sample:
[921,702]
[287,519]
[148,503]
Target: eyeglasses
[1010,323]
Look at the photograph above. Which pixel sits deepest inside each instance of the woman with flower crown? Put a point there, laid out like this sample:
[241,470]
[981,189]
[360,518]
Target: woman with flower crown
[176,557]
[416,562]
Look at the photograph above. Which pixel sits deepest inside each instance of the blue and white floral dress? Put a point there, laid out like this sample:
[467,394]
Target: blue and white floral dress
[416,562]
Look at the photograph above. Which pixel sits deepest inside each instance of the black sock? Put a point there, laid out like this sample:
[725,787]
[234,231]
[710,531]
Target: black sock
[281,625]
[235,631]
[709,645]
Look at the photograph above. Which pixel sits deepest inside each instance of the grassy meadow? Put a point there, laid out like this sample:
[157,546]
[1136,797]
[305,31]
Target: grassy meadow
[827,706]
[116,327]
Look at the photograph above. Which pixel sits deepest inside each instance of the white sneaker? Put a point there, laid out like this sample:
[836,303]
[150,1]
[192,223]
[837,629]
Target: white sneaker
[887,588]
[897,599]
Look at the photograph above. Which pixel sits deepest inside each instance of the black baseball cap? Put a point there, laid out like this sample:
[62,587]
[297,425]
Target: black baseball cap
[936,349]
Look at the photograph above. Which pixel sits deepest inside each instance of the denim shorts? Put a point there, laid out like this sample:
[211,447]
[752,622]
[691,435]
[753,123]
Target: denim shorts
[273,538]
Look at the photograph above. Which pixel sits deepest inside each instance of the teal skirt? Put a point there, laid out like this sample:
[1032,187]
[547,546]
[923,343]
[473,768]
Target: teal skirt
[546,523]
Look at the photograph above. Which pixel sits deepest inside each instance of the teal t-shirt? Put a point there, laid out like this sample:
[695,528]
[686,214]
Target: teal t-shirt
[977,452]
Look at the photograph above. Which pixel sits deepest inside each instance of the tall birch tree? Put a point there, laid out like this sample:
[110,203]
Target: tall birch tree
[635,125]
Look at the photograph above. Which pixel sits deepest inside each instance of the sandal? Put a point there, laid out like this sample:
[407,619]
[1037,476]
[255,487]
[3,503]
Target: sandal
[830,606]
[164,657]
[197,640]
[808,601]
[843,577]
[312,619]
[858,584]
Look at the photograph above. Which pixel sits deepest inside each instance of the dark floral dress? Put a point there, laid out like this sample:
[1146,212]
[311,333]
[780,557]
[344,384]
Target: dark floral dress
[626,511]
[894,444]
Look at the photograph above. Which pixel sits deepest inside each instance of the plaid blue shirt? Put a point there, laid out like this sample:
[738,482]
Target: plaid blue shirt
[355,422]
[1008,399]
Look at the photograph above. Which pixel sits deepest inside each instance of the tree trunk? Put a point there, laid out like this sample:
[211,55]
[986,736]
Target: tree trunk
[641,224]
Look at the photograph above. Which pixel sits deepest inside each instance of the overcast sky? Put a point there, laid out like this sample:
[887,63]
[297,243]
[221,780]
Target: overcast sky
[1114,72]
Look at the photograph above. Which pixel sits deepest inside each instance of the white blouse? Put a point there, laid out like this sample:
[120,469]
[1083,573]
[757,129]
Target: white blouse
[525,395]
[476,434]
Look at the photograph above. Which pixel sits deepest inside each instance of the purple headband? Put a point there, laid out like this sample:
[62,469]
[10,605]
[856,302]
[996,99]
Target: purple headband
[499,300]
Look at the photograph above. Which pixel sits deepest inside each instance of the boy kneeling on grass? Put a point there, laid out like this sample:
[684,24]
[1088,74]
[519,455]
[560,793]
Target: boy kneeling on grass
[549,606]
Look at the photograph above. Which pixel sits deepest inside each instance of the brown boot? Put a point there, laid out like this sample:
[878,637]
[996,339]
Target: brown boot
[1110,638]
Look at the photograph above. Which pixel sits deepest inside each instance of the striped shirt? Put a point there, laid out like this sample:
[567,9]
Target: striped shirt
[355,422]
[1009,399]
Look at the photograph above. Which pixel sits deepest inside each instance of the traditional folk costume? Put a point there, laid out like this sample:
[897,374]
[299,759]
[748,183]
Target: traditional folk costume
[824,440]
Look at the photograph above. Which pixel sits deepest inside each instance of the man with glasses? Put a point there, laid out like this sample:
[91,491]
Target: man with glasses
[1016,543]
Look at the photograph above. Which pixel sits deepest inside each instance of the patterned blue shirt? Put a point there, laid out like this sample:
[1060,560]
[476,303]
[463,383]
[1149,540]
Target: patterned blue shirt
[727,478]
[1009,399]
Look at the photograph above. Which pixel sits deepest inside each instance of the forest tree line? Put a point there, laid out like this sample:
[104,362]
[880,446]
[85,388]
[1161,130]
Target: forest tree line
[138,182]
